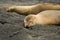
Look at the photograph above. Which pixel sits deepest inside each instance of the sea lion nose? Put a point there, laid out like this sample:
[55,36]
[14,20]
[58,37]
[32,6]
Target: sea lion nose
[25,25]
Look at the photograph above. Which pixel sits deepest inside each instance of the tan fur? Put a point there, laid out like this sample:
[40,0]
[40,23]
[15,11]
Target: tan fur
[47,17]
[33,9]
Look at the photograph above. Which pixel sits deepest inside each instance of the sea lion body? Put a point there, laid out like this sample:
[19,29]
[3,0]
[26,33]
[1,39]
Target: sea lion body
[47,17]
[33,9]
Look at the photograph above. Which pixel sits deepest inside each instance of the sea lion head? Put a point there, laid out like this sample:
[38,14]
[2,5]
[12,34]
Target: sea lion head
[29,21]
[9,9]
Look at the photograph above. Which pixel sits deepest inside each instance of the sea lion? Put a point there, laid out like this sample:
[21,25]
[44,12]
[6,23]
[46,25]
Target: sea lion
[48,17]
[33,9]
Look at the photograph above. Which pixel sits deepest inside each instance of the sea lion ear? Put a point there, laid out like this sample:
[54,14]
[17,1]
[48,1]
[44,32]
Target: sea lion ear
[27,18]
